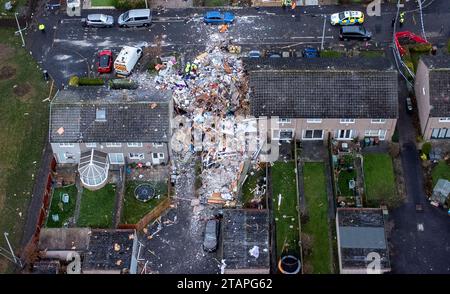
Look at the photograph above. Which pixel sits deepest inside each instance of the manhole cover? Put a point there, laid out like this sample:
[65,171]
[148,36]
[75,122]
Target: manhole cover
[144,192]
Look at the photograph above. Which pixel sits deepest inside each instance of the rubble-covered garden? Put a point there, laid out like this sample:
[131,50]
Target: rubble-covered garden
[285,208]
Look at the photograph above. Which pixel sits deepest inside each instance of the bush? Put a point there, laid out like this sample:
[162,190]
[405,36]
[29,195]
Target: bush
[117,84]
[448,50]
[420,48]
[395,136]
[85,81]
[426,148]
[129,4]
[330,53]
[74,81]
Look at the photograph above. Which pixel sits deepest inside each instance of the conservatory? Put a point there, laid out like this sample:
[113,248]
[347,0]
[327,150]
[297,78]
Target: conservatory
[93,169]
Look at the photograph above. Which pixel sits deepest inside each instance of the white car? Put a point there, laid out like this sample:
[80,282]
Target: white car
[347,18]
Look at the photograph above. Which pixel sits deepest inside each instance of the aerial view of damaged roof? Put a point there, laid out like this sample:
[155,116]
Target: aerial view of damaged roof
[97,114]
[322,87]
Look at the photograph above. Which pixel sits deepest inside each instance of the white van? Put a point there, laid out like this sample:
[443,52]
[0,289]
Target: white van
[135,18]
[126,60]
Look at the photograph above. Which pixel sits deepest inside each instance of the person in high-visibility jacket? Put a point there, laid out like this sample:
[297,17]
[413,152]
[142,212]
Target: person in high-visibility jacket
[41,27]
[194,69]
[402,18]
[187,69]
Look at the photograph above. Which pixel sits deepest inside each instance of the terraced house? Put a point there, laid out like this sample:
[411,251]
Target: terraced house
[432,89]
[98,129]
[311,98]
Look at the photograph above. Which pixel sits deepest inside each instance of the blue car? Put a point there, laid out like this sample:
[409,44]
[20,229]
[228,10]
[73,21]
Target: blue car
[310,52]
[216,17]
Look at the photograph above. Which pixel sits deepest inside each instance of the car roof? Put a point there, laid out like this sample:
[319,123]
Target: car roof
[94,16]
[213,14]
[352,28]
[138,12]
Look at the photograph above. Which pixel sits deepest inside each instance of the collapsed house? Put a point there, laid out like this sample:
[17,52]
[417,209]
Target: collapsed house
[97,128]
[100,251]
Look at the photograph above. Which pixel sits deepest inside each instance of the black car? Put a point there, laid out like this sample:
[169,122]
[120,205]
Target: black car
[409,105]
[354,33]
[211,238]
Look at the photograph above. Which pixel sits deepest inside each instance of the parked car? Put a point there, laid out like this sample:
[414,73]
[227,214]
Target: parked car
[273,54]
[98,20]
[310,52]
[217,17]
[346,18]
[211,238]
[409,105]
[105,61]
[254,54]
[126,60]
[135,18]
[354,33]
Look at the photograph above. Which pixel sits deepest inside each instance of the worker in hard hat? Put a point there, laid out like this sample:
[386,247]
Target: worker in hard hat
[41,27]
[194,69]
[187,69]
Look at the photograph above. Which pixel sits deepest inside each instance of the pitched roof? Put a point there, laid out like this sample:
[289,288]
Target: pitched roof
[322,87]
[76,115]
[361,231]
[439,79]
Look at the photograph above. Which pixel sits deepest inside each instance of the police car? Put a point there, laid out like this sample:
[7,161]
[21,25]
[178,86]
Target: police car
[347,18]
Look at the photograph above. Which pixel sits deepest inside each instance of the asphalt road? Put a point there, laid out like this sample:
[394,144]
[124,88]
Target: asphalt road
[67,48]
[420,240]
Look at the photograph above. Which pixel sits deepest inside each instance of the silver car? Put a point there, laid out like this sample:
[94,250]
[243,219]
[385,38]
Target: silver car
[99,20]
[211,236]
[135,18]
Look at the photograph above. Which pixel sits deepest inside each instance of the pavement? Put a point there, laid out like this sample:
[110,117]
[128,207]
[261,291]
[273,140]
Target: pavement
[67,48]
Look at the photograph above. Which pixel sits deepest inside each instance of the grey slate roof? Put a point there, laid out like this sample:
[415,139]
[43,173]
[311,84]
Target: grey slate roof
[439,79]
[241,230]
[322,87]
[131,115]
[361,231]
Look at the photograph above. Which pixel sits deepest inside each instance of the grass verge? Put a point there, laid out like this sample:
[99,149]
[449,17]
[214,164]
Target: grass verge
[23,129]
[440,171]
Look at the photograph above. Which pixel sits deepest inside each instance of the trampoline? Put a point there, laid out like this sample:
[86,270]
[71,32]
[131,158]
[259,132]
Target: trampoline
[144,192]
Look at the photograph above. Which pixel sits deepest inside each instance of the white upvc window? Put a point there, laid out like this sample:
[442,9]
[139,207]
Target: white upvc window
[91,145]
[381,134]
[158,155]
[314,120]
[282,134]
[284,120]
[444,119]
[347,121]
[66,145]
[113,144]
[157,144]
[134,144]
[312,135]
[136,156]
[378,121]
[116,158]
[344,134]
[440,133]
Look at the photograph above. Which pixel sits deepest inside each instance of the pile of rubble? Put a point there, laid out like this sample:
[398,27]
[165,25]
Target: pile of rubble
[210,96]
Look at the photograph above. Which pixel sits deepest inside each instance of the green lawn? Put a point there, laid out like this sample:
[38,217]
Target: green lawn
[133,209]
[23,128]
[344,177]
[214,3]
[65,211]
[371,53]
[286,215]
[103,2]
[97,207]
[379,180]
[250,185]
[441,171]
[317,226]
